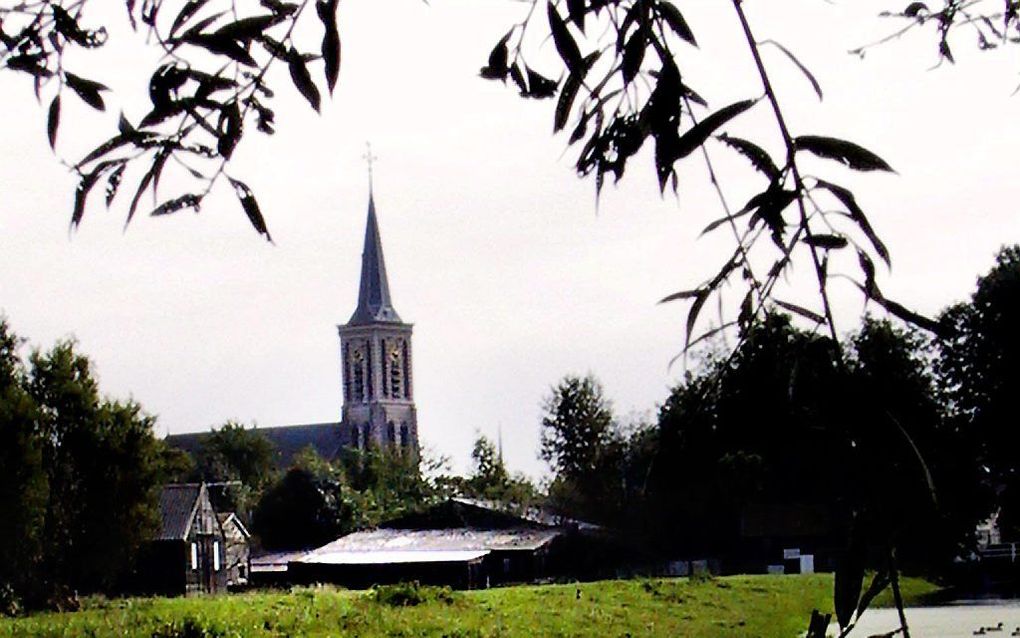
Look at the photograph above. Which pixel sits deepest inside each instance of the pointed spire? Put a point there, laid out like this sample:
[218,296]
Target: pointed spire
[374,303]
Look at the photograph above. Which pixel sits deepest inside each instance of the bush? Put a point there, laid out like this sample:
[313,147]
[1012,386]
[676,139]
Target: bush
[188,628]
[411,594]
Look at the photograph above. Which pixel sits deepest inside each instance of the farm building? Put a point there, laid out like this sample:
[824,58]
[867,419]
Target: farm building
[459,543]
[188,554]
[237,552]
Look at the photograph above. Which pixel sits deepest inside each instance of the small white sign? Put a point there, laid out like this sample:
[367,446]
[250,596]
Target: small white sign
[790,554]
[807,564]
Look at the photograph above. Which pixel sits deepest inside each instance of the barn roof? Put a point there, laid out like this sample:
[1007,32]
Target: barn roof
[383,546]
[177,505]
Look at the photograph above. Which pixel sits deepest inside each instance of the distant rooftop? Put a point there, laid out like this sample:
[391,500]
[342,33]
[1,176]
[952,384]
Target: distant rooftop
[287,441]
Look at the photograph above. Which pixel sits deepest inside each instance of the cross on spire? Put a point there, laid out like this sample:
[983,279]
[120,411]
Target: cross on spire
[369,159]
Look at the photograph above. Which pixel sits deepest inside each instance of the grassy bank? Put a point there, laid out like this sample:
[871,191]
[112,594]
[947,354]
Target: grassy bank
[764,606]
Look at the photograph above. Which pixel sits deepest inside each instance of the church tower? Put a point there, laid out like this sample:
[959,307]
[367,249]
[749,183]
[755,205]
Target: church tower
[375,353]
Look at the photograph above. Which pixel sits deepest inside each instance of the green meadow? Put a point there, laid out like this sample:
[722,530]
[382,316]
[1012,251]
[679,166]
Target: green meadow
[746,606]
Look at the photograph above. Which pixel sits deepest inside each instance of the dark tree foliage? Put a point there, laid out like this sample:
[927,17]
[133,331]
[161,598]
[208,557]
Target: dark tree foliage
[239,462]
[304,509]
[318,500]
[577,427]
[81,478]
[787,421]
[977,364]
[600,467]
[489,479]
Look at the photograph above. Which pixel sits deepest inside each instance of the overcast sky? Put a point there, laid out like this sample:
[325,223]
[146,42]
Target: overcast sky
[494,248]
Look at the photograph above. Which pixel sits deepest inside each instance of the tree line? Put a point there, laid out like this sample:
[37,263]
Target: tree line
[898,438]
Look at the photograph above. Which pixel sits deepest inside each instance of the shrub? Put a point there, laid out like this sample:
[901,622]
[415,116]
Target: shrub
[411,594]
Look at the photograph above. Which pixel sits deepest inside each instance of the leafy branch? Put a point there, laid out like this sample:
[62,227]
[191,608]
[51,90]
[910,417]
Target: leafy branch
[209,87]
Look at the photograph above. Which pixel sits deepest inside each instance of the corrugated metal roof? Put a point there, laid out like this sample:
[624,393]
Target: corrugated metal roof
[177,504]
[275,561]
[439,540]
[390,557]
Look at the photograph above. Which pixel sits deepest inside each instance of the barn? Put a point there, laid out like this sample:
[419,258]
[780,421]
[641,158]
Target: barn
[460,543]
[187,556]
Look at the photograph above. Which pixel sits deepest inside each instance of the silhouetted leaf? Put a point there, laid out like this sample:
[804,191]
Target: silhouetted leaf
[53,121]
[914,9]
[189,200]
[671,14]
[800,310]
[87,90]
[189,9]
[302,79]
[759,158]
[854,156]
[683,294]
[696,136]
[850,202]
[692,314]
[518,77]
[154,171]
[567,95]
[222,45]
[113,183]
[849,579]
[247,29]
[633,55]
[250,206]
[826,241]
[113,143]
[330,41]
[565,44]
[539,86]
[803,69]
[229,129]
[496,69]
[575,12]
[88,181]
[878,583]
[29,63]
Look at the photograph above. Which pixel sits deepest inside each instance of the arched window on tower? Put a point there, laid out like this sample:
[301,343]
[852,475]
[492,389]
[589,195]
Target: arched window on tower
[405,435]
[382,362]
[395,373]
[347,371]
[358,372]
[391,433]
[407,369]
[366,436]
[355,439]
[369,372]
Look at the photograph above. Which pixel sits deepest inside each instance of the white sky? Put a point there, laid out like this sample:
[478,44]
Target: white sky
[494,248]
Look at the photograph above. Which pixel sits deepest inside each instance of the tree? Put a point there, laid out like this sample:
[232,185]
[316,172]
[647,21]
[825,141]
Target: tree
[81,478]
[976,365]
[239,458]
[307,507]
[24,489]
[490,480]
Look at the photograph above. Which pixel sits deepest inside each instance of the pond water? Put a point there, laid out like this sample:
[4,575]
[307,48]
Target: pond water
[954,620]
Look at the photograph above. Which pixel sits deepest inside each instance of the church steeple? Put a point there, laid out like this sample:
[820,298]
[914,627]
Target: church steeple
[376,358]
[374,303]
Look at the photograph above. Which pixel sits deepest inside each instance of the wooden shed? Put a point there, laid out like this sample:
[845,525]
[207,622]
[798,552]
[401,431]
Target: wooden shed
[188,554]
[238,549]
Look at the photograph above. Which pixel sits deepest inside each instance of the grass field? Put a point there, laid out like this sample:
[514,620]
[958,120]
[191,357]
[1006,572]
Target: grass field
[746,606]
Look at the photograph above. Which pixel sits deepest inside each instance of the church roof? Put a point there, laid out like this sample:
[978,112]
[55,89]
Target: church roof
[287,441]
[374,304]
